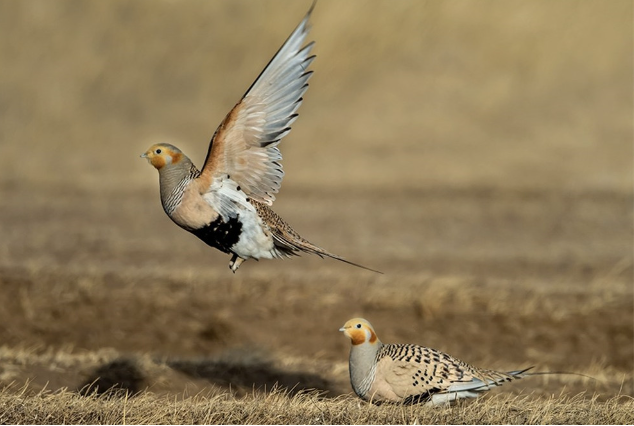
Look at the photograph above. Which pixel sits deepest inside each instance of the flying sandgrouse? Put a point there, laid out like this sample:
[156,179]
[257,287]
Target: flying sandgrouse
[227,203]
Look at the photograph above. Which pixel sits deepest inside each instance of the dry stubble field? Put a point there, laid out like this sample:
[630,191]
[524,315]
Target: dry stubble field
[480,154]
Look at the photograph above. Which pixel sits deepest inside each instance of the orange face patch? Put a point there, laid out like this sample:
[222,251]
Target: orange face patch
[176,156]
[157,161]
[357,336]
[373,337]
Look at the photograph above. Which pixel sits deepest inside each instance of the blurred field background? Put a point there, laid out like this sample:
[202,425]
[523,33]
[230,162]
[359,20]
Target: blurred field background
[479,153]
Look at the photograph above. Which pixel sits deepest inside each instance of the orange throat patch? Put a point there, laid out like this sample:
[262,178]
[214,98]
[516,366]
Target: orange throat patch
[359,337]
[158,162]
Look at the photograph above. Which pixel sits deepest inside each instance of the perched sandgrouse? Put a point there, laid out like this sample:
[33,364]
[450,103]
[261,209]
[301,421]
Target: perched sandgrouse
[413,374]
[227,203]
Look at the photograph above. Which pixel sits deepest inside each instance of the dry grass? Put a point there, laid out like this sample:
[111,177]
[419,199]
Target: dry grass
[479,153]
[276,407]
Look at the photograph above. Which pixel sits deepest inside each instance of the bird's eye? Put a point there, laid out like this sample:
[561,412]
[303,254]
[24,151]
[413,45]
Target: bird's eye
[358,325]
[158,151]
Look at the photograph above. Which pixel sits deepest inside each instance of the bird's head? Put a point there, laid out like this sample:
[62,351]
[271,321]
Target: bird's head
[162,154]
[359,331]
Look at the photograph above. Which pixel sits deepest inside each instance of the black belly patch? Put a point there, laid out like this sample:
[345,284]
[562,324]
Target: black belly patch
[220,234]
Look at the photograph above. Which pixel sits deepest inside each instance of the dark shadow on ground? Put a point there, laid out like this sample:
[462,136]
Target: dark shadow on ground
[116,378]
[241,371]
[259,375]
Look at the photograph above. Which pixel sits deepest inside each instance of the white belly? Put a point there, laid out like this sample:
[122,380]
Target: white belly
[254,242]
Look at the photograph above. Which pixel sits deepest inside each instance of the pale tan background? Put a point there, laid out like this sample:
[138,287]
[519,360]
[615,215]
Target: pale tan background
[479,153]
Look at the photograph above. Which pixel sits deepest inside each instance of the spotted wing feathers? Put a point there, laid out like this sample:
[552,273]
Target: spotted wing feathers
[416,374]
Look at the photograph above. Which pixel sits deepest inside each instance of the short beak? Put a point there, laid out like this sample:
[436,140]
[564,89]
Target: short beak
[342,329]
[144,155]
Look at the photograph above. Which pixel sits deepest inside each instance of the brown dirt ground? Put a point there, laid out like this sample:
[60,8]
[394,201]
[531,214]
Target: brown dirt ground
[480,154]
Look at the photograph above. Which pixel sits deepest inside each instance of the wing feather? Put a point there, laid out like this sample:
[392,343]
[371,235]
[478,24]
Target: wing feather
[245,145]
[418,374]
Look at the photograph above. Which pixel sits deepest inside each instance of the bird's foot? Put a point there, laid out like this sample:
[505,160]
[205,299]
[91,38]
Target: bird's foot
[235,263]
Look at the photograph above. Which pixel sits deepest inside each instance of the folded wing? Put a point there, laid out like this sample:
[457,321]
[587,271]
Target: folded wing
[427,375]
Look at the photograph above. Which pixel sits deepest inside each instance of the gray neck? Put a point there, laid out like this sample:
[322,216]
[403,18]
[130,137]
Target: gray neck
[362,366]
[173,178]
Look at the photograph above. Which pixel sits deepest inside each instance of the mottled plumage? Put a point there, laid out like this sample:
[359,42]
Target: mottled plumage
[412,374]
[227,203]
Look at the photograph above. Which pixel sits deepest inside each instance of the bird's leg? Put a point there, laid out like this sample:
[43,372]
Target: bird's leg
[235,262]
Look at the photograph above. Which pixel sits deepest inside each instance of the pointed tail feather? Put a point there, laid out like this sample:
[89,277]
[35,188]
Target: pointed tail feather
[341,259]
[301,244]
[473,388]
[289,242]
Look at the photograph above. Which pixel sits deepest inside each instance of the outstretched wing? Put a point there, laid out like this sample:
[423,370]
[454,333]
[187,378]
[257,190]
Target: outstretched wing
[245,144]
